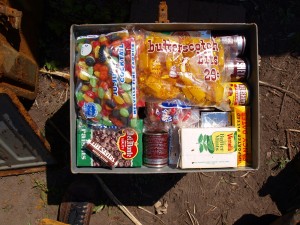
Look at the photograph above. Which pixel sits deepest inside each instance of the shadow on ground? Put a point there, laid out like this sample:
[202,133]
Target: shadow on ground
[284,188]
[284,191]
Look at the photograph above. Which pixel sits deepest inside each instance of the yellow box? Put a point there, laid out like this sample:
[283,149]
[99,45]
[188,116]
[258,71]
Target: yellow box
[241,120]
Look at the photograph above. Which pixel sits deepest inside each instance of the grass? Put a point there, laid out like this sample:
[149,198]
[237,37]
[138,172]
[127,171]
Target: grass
[42,187]
[280,163]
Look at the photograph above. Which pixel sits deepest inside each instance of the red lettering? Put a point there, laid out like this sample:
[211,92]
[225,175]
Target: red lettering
[150,47]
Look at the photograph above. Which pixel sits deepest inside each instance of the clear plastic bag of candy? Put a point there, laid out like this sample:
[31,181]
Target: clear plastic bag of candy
[106,79]
[185,65]
[161,116]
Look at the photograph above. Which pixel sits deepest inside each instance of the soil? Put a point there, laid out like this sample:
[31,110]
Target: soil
[216,198]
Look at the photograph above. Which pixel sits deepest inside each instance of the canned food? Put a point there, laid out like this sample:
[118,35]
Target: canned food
[235,44]
[238,69]
[155,149]
[237,93]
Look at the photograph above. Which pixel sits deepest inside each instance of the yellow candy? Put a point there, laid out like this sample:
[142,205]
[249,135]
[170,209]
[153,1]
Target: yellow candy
[155,66]
[96,51]
[83,75]
[118,99]
[97,73]
[143,61]
[198,94]
[187,79]
[82,65]
[154,85]
[85,87]
[159,89]
[128,77]
[87,98]
[102,38]
[187,93]
[107,94]
[219,93]
[126,98]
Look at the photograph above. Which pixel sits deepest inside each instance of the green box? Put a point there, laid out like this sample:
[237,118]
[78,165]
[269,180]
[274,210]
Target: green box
[86,159]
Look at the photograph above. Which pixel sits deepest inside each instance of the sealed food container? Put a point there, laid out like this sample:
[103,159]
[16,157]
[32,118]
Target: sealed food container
[116,103]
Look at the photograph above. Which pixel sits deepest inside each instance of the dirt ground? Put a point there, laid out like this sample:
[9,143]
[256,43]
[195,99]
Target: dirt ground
[216,198]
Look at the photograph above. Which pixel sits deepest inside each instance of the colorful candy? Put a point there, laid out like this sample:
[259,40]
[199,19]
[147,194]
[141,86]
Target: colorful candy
[106,89]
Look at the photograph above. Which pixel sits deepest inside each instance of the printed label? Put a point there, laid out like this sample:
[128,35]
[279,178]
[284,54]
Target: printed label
[197,48]
[128,143]
[83,135]
[237,93]
[90,110]
[134,80]
[241,120]
[224,142]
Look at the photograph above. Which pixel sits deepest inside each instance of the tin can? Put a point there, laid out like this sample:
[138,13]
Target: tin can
[155,147]
[238,69]
[235,44]
[237,93]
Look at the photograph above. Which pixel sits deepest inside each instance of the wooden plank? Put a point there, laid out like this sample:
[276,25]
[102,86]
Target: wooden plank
[4,173]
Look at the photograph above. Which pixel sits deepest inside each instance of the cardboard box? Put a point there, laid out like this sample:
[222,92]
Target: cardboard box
[242,121]
[214,147]
[250,31]
[86,159]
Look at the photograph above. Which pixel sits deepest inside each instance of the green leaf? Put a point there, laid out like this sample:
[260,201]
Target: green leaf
[205,147]
[200,138]
[201,148]
[98,208]
[210,144]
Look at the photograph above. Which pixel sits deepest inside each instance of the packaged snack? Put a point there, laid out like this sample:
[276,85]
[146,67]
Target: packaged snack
[208,147]
[106,91]
[106,147]
[241,120]
[172,112]
[187,65]
[215,119]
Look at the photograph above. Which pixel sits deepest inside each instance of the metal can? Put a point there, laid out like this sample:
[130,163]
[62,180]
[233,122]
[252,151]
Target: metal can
[237,93]
[238,69]
[156,148]
[235,44]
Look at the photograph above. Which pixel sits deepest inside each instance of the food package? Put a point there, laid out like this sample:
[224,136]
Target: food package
[241,120]
[208,147]
[106,80]
[107,147]
[186,65]
[215,119]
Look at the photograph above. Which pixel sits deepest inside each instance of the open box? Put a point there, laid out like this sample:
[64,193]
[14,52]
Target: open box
[248,30]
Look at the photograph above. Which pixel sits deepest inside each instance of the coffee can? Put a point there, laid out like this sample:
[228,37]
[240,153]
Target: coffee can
[238,69]
[155,149]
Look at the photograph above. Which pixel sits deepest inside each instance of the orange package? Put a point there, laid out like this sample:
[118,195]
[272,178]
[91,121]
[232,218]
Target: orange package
[186,65]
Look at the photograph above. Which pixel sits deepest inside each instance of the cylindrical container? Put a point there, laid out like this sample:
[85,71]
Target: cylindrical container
[237,93]
[155,149]
[238,69]
[234,44]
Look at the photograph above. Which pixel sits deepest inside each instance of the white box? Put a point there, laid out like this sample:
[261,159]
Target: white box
[208,147]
